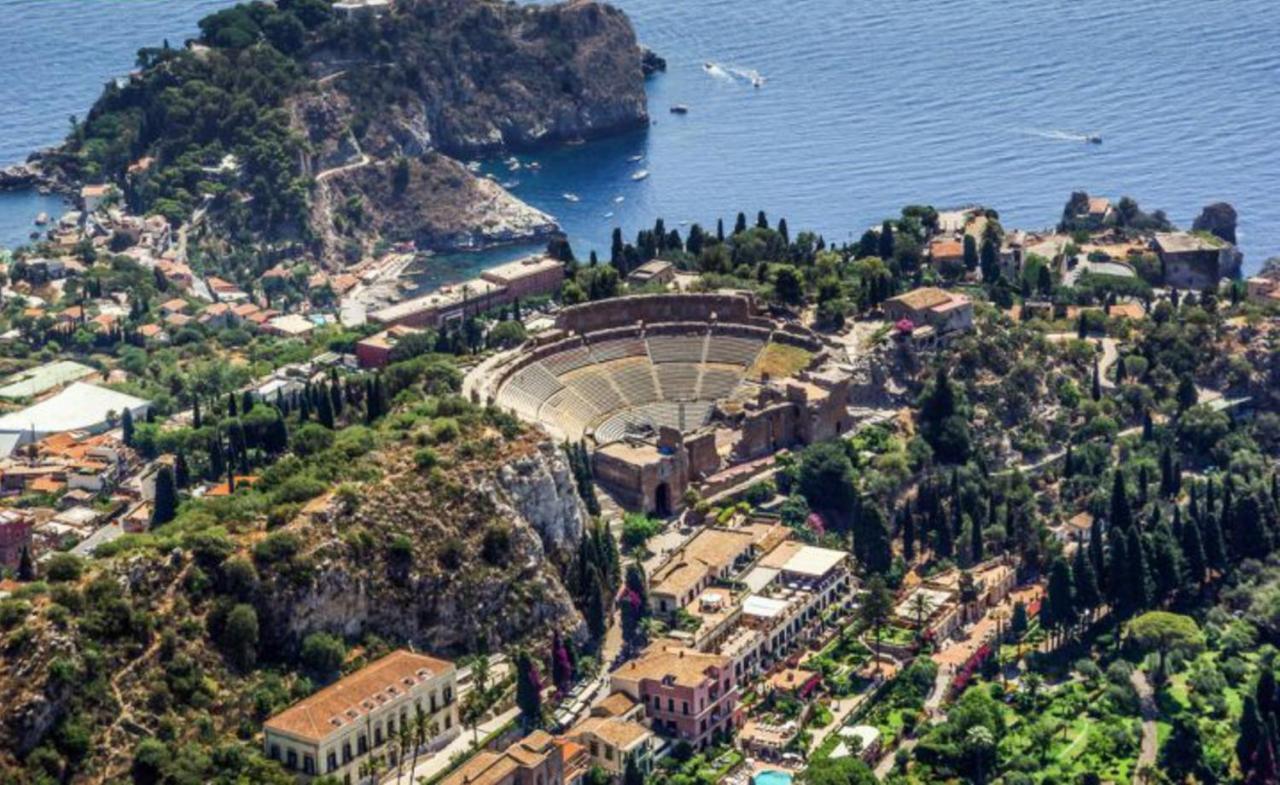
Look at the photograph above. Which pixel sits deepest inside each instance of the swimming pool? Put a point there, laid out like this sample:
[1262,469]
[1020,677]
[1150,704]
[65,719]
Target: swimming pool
[771,777]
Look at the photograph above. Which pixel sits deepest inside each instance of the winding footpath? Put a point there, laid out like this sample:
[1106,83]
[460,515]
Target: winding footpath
[1150,745]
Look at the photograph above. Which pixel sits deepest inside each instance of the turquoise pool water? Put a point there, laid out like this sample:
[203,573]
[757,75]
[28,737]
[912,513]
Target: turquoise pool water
[771,778]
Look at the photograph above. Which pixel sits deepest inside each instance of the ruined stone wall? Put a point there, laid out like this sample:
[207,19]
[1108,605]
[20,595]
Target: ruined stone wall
[655,308]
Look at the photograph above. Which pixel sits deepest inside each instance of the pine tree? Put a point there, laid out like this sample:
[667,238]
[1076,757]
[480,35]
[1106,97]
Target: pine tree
[1096,388]
[165,504]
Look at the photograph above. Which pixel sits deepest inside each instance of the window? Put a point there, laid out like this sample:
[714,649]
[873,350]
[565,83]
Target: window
[275,752]
[308,764]
[671,704]
[377,736]
[608,752]
[448,695]
[391,728]
[362,744]
[595,749]
[448,721]
[684,705]
[332,762]
[433,703]
[346,752]
[291,760]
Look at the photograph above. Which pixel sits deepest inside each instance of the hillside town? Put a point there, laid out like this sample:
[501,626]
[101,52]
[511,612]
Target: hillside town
[803,518]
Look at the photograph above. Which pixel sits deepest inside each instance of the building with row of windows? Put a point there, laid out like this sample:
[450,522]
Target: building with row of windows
[333,731]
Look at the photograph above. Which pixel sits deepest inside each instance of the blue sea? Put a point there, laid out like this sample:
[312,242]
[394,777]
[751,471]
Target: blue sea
[861,107]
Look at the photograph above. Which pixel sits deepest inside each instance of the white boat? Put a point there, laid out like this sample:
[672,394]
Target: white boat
[640,175]
[619,199]
[42,219]
[509,184]
[533,165]
[473,166]
[635,159]
[571,197]
[513,166]
[609,214]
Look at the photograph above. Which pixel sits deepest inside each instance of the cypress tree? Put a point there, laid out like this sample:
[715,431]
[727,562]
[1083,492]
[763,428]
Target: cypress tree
[1121,514]
[324,409]
[1087,595]
[1252,738]
[975,540]
[1096,388]
[1148,427]
[1140,590]
[165,504]
[528,691]
[1215,548]
[1144,480]
[217,458]
[1062,602]
[126,427]
[181,472]
[740,225]
[761,221]
[26,566]
[1193,552]
[195,413]
[908,536]
[885,245]
[593,609]
[1097,557]
[1118,571]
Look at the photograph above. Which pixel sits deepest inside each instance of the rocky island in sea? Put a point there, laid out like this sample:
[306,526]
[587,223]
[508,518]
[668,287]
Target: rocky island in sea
[306,130]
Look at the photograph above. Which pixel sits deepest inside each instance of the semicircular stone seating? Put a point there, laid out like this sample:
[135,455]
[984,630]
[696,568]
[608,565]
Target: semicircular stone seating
[616,386]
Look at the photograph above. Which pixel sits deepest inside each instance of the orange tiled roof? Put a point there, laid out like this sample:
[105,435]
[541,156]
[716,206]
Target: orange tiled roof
[354,696]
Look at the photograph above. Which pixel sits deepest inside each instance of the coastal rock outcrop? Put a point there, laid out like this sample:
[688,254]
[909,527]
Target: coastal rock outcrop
[1219,219]
[432,200]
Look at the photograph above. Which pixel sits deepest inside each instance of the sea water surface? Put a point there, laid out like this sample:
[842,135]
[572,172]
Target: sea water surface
[830,113]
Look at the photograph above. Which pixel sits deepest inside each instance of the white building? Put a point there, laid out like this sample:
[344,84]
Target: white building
[335,730]
[80,407]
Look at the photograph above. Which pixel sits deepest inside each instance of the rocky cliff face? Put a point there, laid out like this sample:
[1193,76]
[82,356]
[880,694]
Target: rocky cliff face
[432,200]
[484,570]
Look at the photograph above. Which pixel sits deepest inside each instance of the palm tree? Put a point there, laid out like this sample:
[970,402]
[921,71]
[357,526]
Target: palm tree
[920,604]
[403,749]
[419,736]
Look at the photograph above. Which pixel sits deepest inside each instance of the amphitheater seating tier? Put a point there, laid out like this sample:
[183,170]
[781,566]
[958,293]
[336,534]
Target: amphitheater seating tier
[637,383]
[678,381]
[677,348]
[667,378]
[570,360]
[718,383]
[734,350]
[593,386]
[617,349]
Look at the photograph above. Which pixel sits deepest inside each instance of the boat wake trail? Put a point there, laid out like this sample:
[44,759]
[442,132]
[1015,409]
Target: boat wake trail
[1057,135]
[733,73]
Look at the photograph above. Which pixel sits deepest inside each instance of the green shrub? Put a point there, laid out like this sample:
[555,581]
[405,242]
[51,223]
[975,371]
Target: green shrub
[63,567]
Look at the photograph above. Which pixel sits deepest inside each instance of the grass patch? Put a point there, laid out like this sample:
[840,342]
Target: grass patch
[779,360]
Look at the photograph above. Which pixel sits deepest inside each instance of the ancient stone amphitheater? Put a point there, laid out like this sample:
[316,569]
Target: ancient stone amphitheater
[630,365]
